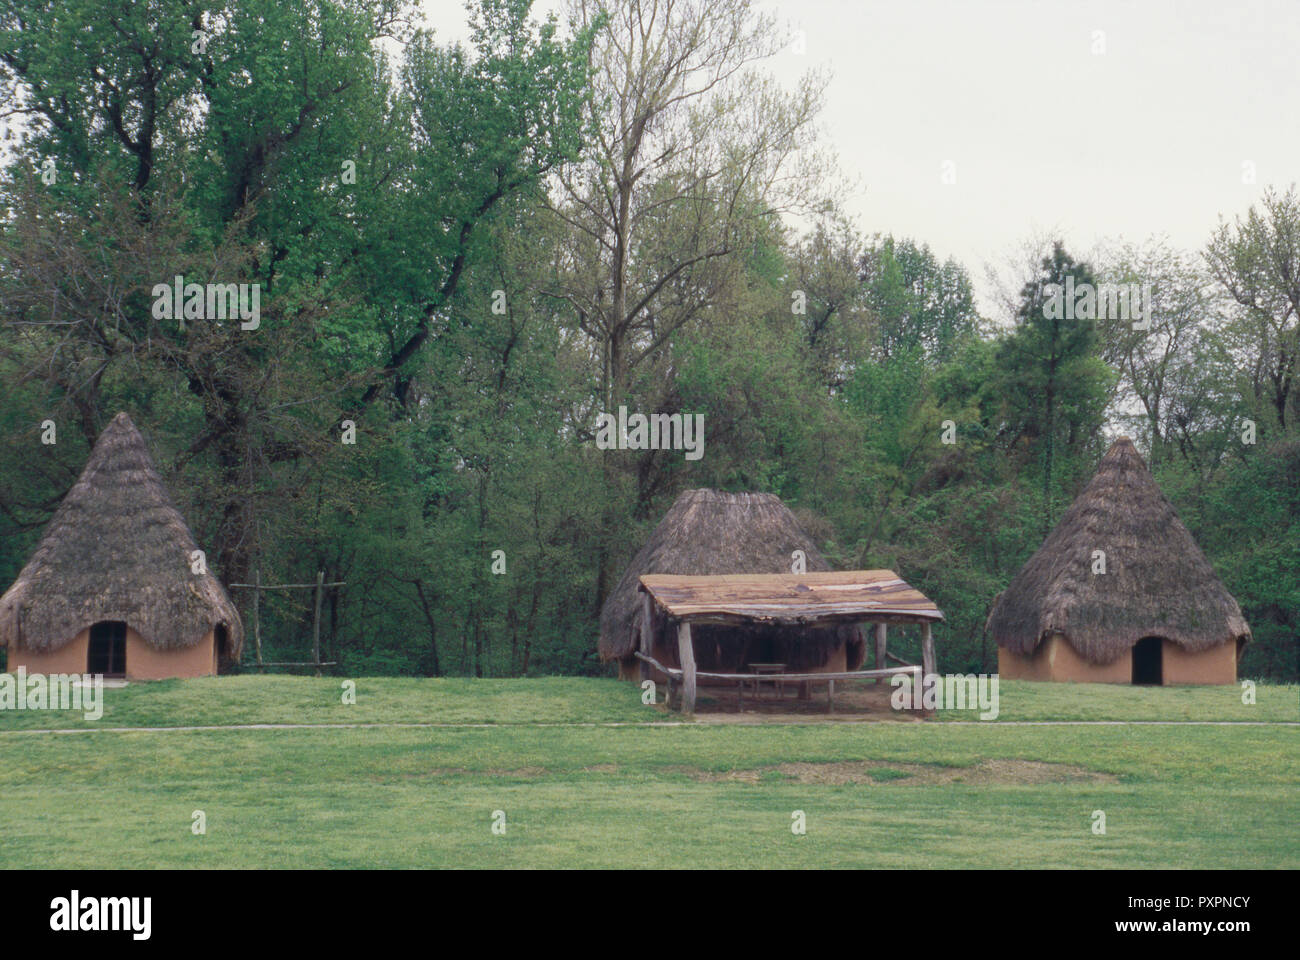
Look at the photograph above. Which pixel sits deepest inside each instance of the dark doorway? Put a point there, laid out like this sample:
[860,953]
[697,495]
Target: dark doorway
[221,640]
[1146,661]
[107,653]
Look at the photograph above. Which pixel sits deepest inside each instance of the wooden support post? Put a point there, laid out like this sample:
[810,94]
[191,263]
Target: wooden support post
[257,623]
[880,650]
[830,694]
[647,636]
[927,654]
[315,623]
[686,653]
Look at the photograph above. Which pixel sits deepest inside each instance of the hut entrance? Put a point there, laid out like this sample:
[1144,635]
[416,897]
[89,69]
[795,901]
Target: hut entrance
[1147,661]
[221,642]
[107,650]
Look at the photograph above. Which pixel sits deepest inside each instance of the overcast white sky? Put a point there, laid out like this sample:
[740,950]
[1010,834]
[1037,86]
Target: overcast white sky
[1149,137]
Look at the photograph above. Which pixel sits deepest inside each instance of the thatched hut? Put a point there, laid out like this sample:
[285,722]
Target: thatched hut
[709,532]
[1119,592]
[111,587]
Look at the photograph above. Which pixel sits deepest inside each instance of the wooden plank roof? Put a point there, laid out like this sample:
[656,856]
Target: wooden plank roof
[847,595]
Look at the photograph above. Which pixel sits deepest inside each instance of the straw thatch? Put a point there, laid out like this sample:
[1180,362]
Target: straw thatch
[1157,580]
[706,532]
[116,549]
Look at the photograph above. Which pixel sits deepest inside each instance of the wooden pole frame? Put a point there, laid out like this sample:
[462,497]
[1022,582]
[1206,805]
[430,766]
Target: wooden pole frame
[257,623]
[646,644]
[686,653]
[928,665]
[257,586]
[315,621]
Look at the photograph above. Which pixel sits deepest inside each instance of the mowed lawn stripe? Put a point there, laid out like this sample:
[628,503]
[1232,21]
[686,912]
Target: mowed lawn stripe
[583,796]
[271,700]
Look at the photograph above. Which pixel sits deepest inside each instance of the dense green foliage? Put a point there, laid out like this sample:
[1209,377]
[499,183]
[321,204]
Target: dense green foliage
[469,253]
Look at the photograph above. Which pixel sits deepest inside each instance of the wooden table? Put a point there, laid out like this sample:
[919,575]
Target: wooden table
[769,668]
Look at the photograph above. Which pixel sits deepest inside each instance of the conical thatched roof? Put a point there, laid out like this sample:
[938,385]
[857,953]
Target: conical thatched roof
[1157,580]
[116,549]
[706,532]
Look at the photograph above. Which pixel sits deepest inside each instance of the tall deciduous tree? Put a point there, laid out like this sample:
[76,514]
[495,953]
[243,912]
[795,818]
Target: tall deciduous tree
[693,151]
[1055,385]
[921,304]
[1257,260]
[1152,352]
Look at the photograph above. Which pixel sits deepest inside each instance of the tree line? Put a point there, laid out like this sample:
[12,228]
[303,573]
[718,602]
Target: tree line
[470,252]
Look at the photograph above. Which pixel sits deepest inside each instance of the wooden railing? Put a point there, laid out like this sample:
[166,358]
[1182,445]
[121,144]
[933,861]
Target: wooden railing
[675,675]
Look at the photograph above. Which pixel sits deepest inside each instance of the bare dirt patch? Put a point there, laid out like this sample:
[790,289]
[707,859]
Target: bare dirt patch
[986,772]
[519,773]
[525,773]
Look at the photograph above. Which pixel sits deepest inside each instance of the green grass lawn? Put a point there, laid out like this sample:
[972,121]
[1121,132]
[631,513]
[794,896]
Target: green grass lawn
[932,794]
[287,699]
[1030,700]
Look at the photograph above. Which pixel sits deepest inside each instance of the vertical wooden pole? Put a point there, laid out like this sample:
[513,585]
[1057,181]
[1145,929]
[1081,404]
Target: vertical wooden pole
[647,635]
[927,653]
[686,653]
[880,650]
[315,623]
[257,623]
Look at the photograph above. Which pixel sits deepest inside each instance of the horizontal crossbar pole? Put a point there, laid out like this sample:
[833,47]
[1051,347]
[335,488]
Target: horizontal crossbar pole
[291,663]
[781,677]
[287,586]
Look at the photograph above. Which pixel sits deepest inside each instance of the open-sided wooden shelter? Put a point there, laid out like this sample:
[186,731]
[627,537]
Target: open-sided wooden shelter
[1119,592]
[111,587]
[697,630]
